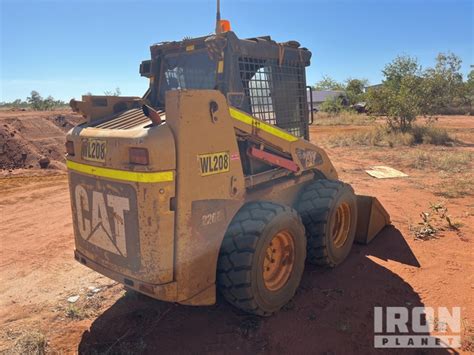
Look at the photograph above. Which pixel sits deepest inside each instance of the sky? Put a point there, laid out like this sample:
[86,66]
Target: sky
[67,48]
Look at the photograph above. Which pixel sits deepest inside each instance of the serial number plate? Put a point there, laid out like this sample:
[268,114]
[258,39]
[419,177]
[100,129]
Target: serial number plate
[214,163]
[93,150]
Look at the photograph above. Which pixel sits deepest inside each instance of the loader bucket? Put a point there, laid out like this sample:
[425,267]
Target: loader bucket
[371,218]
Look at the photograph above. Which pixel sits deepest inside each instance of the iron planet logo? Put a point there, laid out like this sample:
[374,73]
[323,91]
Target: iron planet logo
[420,327]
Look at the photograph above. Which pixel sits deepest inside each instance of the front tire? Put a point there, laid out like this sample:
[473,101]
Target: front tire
[262,258]
[328,209]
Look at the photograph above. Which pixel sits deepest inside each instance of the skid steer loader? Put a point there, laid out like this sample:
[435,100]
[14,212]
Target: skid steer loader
[209,180]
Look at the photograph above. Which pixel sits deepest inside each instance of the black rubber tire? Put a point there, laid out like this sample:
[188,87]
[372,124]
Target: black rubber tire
[317,205]
[240,264]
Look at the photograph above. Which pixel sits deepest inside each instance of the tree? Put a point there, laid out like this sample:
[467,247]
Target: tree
[443,85]
[401,67]
[355,90]
[401,96]
[327,83]
[40,104]
[470,81]
[469,90]
[35,100]
[49,103]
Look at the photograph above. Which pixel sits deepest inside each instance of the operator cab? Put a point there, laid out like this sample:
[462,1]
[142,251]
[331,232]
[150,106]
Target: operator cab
[257,75]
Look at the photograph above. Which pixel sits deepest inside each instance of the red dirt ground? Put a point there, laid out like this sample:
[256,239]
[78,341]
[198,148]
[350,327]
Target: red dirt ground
[332,312]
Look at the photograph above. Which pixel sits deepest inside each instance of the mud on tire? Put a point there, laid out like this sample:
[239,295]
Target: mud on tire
[245,251]
[318,206]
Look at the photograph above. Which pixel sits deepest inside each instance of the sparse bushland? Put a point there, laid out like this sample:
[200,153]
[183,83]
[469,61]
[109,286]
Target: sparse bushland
[384,136]
[407,91]
[35,102]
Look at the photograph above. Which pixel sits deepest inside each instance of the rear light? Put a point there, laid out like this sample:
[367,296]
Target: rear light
[138,156]
[70,148]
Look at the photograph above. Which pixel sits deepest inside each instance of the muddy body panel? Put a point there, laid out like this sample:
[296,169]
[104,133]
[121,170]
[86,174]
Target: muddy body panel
[171,231]
[210,185]
[122,218]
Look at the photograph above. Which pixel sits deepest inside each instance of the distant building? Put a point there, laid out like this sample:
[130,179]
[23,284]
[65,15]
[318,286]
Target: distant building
[375,87]
[319,96]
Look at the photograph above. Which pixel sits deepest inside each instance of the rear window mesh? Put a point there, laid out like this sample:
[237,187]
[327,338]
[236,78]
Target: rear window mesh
[275,92]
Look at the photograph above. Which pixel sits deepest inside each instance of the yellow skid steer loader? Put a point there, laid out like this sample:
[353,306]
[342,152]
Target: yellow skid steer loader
[209,180]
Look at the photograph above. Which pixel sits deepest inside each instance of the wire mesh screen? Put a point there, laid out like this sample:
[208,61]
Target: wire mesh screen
[276,93]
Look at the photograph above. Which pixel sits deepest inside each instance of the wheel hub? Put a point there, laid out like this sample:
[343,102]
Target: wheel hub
[279,261]
[341,225]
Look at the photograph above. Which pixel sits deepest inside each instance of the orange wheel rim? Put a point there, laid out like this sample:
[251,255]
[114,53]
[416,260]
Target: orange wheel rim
[279,261]
[341,225]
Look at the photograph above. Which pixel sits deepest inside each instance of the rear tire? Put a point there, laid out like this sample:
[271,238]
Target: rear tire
[328,209]
[262,258]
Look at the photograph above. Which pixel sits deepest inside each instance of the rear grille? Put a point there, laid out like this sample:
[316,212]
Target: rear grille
[275,93]
[125,120]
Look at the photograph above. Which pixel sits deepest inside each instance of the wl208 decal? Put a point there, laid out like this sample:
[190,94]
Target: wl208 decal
[214,163]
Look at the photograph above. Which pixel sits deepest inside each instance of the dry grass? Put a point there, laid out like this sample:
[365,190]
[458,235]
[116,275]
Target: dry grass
[383,137]
[377,136]
[453,167]
[451,162]
[342,119]
[456,186]
[32,342]
[429,134]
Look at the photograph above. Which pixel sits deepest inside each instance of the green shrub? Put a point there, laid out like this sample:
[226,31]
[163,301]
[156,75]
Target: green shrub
[333,105]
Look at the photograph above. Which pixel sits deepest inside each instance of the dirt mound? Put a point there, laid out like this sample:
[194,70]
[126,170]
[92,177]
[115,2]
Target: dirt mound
[28,137]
